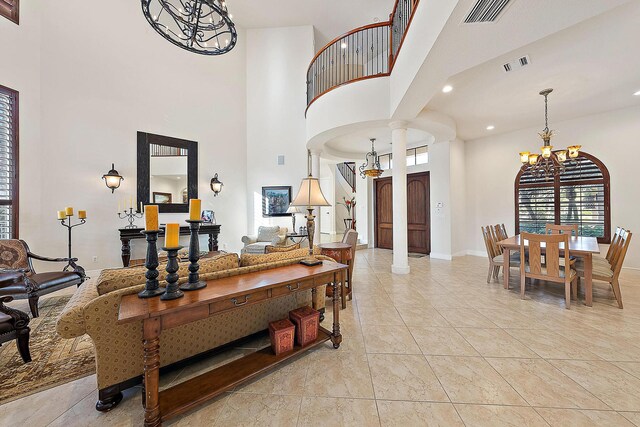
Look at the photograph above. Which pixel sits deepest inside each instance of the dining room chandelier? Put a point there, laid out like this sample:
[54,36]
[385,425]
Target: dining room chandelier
[371,166]
[199,26]
[550,163]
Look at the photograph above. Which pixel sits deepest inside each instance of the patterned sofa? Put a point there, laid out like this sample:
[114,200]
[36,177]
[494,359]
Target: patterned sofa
[93,310]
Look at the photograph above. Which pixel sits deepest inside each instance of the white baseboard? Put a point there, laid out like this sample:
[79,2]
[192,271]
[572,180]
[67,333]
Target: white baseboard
[476,253]
[436,255]
[400,270]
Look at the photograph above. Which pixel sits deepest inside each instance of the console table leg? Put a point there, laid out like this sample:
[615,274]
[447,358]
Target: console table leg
[151,345]
[126,252]
[336,337]
[213,242]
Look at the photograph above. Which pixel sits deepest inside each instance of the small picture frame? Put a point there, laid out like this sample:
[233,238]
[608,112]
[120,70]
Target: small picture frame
[207,216]
[276,201]
[162,198]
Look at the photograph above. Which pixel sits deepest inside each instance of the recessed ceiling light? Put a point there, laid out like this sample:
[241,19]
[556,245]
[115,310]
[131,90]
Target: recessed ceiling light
[447,89]
[491,127]
[637,93]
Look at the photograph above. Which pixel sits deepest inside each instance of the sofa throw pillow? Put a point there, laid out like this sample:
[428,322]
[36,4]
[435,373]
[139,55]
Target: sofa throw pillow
[272,249]
[120,278]
[255,259]
[268,234]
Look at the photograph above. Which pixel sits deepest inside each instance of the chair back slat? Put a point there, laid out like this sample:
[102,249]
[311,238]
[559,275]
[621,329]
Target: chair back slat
[504,231]
[552,257]
[617,248]
[612,246]
[489,242]
[625,240]
[500,232]
[495,239]
[561,229]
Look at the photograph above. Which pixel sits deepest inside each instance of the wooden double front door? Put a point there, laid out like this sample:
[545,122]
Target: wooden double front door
[418,213]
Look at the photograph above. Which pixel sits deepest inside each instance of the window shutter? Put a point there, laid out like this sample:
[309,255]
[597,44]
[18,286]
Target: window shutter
[8,157]
[10,10]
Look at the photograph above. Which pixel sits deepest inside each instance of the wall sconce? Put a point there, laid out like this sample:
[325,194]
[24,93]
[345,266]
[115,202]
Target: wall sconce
[216,185]
[112,178]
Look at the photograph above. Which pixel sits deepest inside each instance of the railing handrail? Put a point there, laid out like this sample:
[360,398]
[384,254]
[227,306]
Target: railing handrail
[347,34]
[391,60]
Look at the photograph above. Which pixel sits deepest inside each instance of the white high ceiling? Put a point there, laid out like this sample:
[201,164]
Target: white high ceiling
[330,18]
[593,67]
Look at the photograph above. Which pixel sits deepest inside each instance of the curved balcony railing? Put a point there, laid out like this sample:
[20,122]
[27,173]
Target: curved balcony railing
[363,53]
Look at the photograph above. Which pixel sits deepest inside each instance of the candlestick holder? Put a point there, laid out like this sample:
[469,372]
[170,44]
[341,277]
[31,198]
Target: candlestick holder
[130,216]
[172,291]
[152,286]
[66,222]
[194,255]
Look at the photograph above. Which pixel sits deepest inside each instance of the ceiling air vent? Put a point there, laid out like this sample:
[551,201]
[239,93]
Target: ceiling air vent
[516,64]
[486,11]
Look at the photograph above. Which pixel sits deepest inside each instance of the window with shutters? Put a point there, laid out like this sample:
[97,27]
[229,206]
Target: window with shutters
[10,9]
[8,163]
[580,195]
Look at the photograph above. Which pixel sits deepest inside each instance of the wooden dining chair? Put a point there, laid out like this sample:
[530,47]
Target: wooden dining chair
[611,273]
[494,253]
[571,229]
[551,270]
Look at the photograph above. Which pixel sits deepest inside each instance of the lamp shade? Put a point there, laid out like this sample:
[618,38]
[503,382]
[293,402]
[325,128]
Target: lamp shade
[310,194]
[293,210]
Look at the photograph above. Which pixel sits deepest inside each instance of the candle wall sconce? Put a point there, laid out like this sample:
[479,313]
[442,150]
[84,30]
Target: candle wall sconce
[216,185]
[112,179]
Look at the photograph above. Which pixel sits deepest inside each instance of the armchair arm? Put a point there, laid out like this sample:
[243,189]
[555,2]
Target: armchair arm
[20,318]
[19,275]
[279,240]
[247,240]
[44,258]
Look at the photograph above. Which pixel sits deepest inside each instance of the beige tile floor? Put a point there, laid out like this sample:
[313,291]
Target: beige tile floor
[437,347]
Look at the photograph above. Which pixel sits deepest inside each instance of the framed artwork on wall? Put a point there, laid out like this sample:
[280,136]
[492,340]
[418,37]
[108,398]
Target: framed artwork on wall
[161,198]
[276,200]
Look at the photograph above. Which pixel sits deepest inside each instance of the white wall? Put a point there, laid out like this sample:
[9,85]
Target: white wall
[20,70]
[277,60]
[492,164]
[87,86]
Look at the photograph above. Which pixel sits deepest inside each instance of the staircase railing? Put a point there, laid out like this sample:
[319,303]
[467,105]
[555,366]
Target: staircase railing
[363,53]
[348,172]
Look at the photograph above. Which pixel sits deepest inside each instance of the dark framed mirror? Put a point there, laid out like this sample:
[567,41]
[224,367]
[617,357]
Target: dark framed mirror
[167,172]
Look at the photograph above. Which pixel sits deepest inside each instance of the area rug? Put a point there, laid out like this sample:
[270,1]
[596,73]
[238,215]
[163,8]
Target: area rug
[55,360]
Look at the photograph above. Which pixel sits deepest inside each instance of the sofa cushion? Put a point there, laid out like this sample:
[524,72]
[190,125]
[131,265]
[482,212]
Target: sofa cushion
[120,278]
[269,249]
[252,259]
[268,234]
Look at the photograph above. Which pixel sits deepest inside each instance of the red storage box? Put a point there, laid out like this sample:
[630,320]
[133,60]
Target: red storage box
[307,321]
[281,333]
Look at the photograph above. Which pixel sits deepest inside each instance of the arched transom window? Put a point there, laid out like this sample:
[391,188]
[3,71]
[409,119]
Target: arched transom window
[580,195]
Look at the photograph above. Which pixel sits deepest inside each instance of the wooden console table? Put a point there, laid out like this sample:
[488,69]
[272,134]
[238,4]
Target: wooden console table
[229,293]
[127,234]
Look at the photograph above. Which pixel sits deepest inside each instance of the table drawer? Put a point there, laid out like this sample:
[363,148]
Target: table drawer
[292,287]
[239,301]
[324,279]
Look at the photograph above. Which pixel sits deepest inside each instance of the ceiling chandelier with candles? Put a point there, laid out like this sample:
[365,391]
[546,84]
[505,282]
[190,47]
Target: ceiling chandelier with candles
[550,163]
[199,26]
[371,166]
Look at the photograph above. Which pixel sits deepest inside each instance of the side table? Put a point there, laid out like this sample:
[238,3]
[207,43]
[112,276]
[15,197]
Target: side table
[342,253]
[294,236]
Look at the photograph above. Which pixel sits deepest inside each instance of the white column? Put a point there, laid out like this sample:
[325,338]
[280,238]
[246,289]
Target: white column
[315,172]
[399,173]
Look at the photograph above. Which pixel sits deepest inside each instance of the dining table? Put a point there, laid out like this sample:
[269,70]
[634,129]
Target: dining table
[579,246]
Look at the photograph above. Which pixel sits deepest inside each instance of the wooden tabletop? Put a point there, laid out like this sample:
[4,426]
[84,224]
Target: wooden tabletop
[133,308]
[334,245]
[579,244]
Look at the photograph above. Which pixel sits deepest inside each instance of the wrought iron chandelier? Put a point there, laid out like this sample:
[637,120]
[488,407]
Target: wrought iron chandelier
[199,26]
[371,166]
[550,163]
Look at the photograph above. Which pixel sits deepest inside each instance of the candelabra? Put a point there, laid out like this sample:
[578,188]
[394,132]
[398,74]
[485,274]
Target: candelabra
[130,216]
[66,222]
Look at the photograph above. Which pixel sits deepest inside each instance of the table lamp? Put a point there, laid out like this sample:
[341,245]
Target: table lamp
[309,196]
[293,210]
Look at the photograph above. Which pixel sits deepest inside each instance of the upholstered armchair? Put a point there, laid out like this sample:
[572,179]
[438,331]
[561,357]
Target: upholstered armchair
[267,236]
[19,279]
[14,325]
